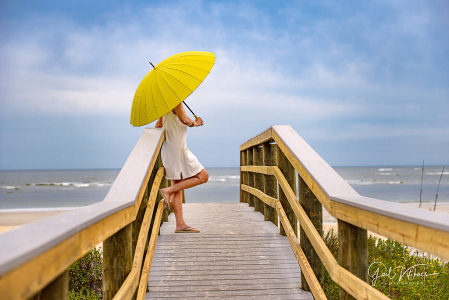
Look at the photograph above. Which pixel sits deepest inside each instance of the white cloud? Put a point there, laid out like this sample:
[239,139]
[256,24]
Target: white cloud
[342,75]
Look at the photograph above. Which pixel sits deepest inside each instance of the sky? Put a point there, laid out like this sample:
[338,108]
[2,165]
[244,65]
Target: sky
[365,83]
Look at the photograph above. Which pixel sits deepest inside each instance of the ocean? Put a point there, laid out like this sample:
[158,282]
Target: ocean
[29,190]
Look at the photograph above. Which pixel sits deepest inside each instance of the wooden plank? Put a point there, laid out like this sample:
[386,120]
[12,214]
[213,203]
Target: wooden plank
[244,180]
[258,185]
[314,211]
[338,197]
[352,284]
[246,267]
[254,272]
[352,252]
[26,280]
[257,140]
[182,279]
[225,265]
[269,182]
[275,293]
[260,195]
[267,170]
[288,173]
[235,283]
[250,161]
[433,237]
[58,289]
[117,261]
[127,289]
[306,269]
[427,239]
[149,256]
[223,287]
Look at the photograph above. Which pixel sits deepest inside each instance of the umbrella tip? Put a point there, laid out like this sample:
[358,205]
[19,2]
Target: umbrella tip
[152,65]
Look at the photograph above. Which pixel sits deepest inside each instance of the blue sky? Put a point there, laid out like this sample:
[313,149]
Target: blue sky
[364,83]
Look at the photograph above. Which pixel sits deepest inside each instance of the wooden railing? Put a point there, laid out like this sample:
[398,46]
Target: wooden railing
[34,258]
[271,158]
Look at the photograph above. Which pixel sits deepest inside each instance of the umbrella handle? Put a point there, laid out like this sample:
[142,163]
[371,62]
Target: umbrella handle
[190,110]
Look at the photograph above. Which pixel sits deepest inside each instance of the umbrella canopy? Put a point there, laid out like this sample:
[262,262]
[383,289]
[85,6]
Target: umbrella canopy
[168,84]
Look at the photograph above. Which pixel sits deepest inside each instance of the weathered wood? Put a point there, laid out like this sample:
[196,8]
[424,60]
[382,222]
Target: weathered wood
[352,252]
[259,169]
[288,172]
[269,182]
[244,176]
[314,211]
[258,178]
[346,280]
[117,261]
[249,259]
[267,200]
[58,289]
[129,287]
[33,255]
[143,284]
[432,240]
[417,228]
[314,285]
[257,140]
[250,162]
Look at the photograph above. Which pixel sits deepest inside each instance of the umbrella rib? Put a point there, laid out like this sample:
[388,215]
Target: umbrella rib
[194,57]
[201,80]
[169,67]
[169,88]
[191,91]
[152,86]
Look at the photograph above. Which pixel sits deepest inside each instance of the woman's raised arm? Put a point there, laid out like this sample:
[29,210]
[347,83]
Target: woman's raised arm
[159,123]
[182,116]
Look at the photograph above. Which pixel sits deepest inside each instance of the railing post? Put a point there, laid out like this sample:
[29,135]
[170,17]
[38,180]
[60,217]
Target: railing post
[269,182]
[352,252]
[314,211]
[117,261]
[288,171]
[58,289]
[249,160]
[257,160]
[260,178]
[243,177]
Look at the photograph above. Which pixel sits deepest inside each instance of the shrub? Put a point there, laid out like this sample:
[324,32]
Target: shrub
[404,270]
[86,277]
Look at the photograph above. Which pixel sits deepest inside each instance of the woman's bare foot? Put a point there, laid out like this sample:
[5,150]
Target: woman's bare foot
[167,198]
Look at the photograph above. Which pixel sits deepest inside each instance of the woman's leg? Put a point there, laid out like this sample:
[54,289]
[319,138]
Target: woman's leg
[174,193]
[176,203]
[183,184]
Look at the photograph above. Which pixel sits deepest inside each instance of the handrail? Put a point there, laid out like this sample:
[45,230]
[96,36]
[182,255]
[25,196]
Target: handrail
[425,230]
[143,284]
[428,231]
[131,283]
[33,255]
[315,286]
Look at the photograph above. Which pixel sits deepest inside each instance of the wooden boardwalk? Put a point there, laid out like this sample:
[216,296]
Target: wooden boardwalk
[237,255]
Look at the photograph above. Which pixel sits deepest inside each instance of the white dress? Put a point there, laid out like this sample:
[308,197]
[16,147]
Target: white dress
[177,159]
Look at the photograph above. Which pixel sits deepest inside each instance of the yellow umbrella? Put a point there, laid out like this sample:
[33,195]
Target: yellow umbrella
[168,84]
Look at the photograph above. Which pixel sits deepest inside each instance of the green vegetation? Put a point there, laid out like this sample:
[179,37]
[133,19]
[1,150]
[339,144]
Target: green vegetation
[396,271]
[86,277]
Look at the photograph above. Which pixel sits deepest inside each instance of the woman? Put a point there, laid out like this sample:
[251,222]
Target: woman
[181,166]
